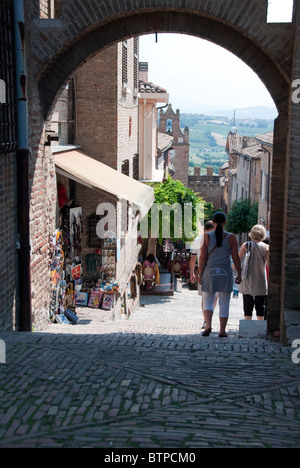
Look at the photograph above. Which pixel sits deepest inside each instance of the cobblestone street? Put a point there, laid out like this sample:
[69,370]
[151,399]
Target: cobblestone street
[148,382]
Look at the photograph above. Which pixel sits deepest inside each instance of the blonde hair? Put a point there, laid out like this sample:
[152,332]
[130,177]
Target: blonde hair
[258,233]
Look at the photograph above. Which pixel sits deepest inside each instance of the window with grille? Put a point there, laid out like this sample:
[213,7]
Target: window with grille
[125,167]
[136,167]
[136,66]
[125,65]
[8,120]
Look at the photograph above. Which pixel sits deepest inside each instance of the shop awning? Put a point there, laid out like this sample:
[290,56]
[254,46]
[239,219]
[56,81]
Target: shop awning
[77,166]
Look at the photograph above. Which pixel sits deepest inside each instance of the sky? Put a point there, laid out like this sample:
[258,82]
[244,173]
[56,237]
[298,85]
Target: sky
[201,76]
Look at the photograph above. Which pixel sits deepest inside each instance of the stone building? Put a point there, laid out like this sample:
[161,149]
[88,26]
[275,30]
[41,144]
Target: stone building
[169,123]
[266,162]
[249,171]
[152,143]
[207,186]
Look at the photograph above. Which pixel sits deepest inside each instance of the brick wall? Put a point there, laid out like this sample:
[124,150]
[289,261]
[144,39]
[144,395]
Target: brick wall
[43,219]
[96,107]
[291,260]
[268,53]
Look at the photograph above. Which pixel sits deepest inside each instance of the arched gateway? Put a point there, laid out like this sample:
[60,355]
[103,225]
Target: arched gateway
[57,46]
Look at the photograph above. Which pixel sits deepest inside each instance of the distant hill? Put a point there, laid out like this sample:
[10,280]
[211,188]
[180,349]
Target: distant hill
[208,133]
[257,112]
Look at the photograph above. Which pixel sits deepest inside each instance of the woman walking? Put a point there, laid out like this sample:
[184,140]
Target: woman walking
[216,274]
[255,287]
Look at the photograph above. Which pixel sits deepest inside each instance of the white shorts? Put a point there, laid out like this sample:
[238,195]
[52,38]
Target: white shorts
[224,302]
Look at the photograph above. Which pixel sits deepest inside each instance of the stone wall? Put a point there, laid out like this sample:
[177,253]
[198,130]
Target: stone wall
[208,187]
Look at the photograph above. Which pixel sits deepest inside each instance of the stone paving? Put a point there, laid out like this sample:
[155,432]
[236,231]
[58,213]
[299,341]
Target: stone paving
[150,382]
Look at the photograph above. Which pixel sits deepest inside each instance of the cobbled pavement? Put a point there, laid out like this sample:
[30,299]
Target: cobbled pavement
[148,382]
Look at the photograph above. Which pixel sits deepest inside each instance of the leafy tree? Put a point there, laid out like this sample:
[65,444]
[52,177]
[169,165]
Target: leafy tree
[171,193]
[209,211]
[242,216]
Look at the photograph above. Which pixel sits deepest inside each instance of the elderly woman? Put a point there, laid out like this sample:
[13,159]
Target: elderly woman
[215,272]
[255,287]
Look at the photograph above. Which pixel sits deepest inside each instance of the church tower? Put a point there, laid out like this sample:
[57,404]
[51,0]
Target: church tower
[169,123]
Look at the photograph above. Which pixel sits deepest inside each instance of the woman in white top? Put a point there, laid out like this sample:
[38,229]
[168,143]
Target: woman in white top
[255,287]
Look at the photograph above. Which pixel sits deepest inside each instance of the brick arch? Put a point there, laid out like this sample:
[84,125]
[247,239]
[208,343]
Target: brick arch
[271,51]
[273,73]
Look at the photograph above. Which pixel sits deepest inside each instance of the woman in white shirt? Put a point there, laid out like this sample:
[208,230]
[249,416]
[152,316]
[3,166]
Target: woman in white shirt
[255,287]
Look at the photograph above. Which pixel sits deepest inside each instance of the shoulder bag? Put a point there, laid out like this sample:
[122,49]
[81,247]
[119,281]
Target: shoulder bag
[245,261]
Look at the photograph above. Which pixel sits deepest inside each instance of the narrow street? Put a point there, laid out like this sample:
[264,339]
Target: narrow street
[121,136]
[148,382]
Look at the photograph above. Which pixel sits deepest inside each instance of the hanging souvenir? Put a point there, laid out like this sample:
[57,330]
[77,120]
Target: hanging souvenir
[76,272]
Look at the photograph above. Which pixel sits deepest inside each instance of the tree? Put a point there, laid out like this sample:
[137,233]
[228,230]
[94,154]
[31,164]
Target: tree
[242,216]
[172,193]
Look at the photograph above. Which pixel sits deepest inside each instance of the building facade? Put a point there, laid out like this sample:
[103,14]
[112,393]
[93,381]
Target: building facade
[250,172]
[152,143]
[169,123]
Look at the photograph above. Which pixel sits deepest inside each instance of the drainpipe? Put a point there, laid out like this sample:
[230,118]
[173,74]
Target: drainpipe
[145,138]
[24,315]
[269,185]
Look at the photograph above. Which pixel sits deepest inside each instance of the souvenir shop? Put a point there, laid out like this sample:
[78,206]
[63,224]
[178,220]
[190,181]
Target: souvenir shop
[75,283]
[85,270]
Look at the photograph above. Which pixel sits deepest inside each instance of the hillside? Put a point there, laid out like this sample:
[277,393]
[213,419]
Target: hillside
[208,134]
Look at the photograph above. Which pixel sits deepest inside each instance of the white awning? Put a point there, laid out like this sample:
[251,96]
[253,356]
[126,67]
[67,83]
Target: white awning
[77,166]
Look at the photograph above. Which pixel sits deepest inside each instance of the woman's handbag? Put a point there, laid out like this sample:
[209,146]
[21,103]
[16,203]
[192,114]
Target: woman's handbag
[245,261]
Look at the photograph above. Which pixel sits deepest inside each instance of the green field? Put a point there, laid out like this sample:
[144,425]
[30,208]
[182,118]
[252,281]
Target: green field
[208,138]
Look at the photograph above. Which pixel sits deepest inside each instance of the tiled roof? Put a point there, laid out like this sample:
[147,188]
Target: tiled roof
[251,151]
[266,138]
[164,141]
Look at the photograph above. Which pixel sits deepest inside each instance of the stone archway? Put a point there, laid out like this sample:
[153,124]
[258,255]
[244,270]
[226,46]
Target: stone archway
[239,27]
[272,73]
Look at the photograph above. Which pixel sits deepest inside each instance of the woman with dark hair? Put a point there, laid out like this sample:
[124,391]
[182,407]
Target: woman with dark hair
[215,272]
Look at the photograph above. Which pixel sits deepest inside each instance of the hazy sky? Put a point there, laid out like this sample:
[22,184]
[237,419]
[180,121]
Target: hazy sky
[200,75]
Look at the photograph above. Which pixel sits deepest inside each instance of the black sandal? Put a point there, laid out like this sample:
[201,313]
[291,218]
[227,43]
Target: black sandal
[206,332]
